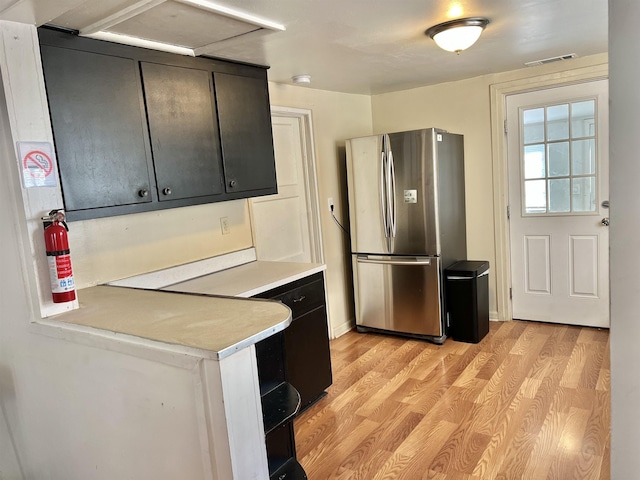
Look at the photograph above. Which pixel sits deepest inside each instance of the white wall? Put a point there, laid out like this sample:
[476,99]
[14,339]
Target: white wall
[106,249]
[624,40]
[336,117]
[465,107]
[15,309]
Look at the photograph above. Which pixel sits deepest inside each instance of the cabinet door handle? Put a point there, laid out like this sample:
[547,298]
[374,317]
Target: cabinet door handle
[299,299]
[232,183]
[143,192]
[166,191]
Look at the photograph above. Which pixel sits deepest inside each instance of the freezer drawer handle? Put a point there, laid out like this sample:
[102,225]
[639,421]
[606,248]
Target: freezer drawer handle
[426,261]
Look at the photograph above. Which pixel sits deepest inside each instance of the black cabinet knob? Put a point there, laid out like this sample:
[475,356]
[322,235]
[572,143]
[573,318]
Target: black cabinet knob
[143,192]
[166,191]
[232,183]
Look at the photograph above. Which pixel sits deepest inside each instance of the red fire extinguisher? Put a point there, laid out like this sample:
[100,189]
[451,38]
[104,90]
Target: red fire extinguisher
[59,258]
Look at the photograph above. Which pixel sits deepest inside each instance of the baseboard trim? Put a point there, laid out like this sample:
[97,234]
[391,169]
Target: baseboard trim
[343,328]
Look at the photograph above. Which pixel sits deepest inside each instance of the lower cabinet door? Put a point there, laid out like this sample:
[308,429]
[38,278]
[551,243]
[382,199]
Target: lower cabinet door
[307,353]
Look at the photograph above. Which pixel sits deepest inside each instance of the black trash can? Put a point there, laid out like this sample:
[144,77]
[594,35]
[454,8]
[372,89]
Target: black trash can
[467,300]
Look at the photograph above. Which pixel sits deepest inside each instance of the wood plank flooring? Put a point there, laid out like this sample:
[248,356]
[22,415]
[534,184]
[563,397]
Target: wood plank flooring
[531,401]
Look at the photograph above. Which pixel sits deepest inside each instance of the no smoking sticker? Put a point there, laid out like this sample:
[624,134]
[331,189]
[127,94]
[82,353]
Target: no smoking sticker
[37,162]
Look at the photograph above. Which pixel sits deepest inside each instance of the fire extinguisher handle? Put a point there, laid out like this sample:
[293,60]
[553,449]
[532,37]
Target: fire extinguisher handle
[57,215]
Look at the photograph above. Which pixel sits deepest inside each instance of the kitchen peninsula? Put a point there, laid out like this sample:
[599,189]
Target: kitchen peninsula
[229,346]
[222,421]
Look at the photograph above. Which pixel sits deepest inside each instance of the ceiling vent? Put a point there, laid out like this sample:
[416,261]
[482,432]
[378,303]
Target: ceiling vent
[544,61]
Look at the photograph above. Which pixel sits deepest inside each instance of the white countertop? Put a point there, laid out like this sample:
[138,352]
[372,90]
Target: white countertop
[201,318]
[247,280]
[214,324]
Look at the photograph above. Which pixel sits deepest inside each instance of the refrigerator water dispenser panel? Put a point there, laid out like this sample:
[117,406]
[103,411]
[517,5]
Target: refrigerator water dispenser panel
[411,196]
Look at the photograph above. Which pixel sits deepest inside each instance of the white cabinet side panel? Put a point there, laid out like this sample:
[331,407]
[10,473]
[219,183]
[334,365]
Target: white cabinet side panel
[237,429]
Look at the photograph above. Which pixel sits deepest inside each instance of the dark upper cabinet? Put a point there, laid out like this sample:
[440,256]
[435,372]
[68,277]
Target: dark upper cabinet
[138,130]
[183,127]
[99,126]
[245,131]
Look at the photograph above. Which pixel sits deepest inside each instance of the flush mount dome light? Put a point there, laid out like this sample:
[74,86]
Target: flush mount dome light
[457,35]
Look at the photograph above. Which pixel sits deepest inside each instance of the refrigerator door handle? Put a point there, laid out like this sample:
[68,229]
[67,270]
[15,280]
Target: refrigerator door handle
[383,197]
[420,261]
[388,157]
[392,196]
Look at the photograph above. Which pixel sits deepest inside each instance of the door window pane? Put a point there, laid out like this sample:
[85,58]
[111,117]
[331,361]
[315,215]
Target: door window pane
[559,163]
[558,122]
[535,194]
[583,119]
[559,200]
[559,159]
[583,157]
[534,161]
[583,193]
[533,125]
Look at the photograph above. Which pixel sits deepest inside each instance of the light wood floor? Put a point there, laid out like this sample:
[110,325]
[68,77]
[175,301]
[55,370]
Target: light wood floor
[531,401]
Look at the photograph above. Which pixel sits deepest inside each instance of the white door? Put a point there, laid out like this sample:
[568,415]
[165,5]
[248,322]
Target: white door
[283,224]
[557,145]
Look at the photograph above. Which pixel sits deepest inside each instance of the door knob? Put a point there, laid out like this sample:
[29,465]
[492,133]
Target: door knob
[605,221]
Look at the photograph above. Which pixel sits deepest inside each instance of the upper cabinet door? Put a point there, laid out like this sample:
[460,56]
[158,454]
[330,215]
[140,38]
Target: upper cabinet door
[99,128]
[184,131]
[245,132]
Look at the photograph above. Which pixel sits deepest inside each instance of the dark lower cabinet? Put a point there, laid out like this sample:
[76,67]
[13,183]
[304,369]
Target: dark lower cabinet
[295,360]
[308,360]
[306,340]
[280,402]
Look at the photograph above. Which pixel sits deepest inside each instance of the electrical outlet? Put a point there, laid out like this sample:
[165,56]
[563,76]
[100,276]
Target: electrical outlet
[330,204]
[224,226]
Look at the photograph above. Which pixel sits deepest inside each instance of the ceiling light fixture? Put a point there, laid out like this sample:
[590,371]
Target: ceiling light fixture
[301,79]
[457,35]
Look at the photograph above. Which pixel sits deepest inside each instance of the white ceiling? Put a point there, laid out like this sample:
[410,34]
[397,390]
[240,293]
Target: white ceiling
[352,46]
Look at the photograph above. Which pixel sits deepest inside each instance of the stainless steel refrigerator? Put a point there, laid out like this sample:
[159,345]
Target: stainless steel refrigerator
[407,219]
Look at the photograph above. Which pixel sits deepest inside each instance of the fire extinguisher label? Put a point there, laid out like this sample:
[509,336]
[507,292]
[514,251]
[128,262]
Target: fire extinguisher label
[60,273]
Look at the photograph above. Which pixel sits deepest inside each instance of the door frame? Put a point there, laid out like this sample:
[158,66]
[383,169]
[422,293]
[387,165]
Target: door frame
[310,176]
[499,92]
